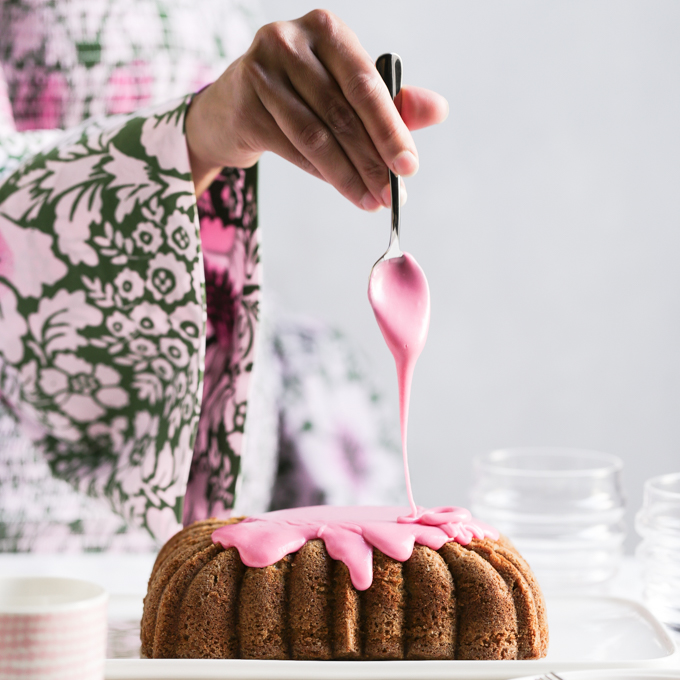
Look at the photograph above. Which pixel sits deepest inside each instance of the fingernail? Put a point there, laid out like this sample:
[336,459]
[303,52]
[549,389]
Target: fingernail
[448,110]
[369,203]
[406,164]
[386,196]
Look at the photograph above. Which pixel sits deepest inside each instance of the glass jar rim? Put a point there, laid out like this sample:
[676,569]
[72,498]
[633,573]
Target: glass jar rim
[604,464]
[653,486]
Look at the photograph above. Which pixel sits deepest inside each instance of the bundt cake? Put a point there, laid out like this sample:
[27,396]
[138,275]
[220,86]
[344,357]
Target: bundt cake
[474,601]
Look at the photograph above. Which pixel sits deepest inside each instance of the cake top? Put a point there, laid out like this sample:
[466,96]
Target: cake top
[350,534]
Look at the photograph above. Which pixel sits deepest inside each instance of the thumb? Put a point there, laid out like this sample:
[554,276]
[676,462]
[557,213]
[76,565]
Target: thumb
[421,108]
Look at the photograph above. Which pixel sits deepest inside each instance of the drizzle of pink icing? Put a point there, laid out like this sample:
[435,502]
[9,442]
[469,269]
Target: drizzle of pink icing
[350,534]
[400,296]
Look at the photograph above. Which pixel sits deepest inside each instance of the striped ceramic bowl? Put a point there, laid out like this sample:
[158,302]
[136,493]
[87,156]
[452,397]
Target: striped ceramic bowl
[52,629]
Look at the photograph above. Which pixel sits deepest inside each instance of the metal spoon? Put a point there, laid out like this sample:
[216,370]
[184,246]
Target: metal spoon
[399,293]
[389,67]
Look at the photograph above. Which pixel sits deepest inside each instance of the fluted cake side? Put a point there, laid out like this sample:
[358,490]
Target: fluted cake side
[478,601]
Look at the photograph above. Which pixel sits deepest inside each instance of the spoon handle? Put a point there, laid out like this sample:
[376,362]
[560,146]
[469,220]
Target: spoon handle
[389,68]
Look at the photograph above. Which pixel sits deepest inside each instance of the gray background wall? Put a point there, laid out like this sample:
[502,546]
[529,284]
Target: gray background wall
[546,215]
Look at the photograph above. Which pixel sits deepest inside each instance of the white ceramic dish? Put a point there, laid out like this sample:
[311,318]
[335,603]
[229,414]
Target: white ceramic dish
[594,633]
[612,675]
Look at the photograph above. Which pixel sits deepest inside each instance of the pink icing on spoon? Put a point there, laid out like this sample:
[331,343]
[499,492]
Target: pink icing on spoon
[350,534]
[400,297]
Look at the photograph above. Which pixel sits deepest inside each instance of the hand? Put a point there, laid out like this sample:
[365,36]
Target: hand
[308,91]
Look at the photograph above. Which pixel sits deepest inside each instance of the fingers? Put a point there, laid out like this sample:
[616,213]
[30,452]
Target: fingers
[308,137]
[279,144]
[319,90]
[350,65]
[421,108]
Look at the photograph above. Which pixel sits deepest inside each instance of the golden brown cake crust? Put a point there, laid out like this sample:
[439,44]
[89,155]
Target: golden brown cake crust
[157,587]
[529,631]
[509,551]
[479,601]
[383,607]
[487,624]
[430,612]
[197,529]
[174,599]
[262,614]
[208,616]
[309,603]
[172,556]
[347,642]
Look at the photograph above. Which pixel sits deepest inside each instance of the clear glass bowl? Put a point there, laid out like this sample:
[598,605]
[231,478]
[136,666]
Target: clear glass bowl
[658,522]
[562,508]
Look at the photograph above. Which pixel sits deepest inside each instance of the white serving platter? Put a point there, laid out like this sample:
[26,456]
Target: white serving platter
[586,633]
[612,675]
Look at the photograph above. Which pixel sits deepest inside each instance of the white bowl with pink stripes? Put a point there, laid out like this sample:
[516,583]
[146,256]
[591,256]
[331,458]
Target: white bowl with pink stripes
[52,629]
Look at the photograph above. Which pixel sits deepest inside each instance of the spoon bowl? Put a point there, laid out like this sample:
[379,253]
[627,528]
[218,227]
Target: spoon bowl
[400,296]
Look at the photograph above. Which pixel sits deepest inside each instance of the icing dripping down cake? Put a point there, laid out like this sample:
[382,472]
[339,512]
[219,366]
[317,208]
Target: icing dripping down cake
[470,597]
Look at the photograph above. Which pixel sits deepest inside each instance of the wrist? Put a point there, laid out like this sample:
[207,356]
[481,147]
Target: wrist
[204,167]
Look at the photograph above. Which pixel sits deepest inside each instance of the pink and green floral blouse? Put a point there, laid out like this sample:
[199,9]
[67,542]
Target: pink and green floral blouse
[129,310]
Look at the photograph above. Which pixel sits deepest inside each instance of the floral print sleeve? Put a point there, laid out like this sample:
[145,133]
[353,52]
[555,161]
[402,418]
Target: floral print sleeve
[108,384]
[102,310]
[13,146]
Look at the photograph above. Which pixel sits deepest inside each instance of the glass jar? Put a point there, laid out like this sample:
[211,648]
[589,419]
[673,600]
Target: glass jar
[658,522]
[562,508]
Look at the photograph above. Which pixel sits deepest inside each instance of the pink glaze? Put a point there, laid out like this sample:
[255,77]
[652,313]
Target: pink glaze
[400,297]
[350,534]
